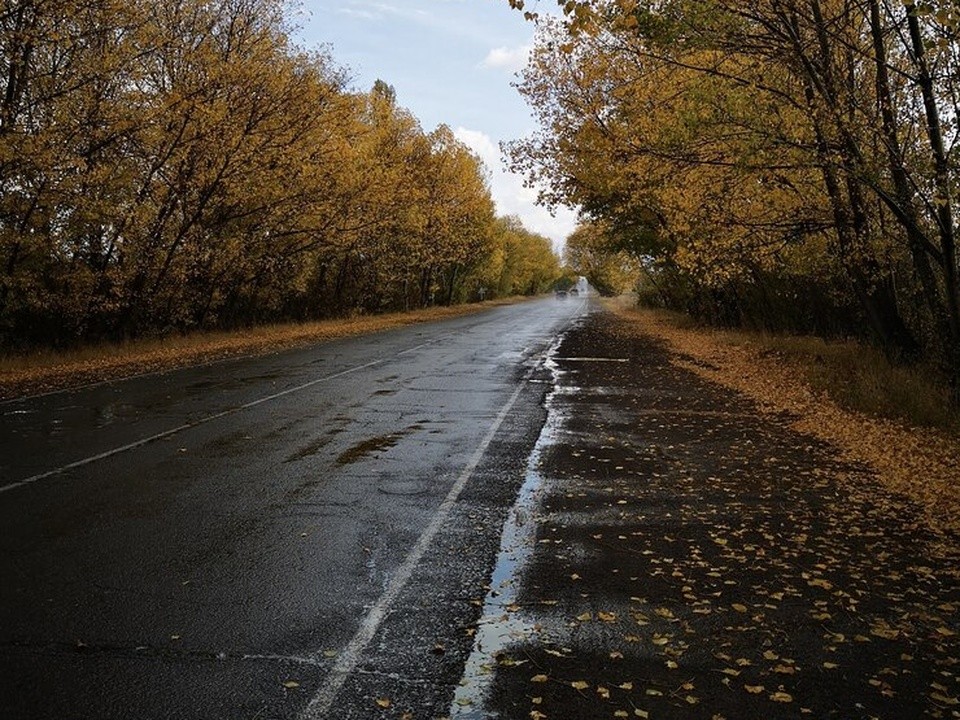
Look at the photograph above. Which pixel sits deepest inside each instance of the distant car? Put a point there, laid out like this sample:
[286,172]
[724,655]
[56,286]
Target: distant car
[574,291]
[561,293]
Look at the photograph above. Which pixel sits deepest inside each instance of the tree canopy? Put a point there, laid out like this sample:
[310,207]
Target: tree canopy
[177,165]
[788,163]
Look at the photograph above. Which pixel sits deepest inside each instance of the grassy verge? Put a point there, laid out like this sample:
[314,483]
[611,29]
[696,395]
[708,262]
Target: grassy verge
[897,422]
[861,379]
[857,377]
[40,372]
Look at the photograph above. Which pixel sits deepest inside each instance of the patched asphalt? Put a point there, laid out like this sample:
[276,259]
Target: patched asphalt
[679,554]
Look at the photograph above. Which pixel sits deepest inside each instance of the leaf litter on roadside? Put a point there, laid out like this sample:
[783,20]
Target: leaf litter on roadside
[726,549]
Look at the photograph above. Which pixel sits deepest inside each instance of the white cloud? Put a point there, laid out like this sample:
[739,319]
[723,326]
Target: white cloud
[360,14]
[371,10]
[509,59]
[512,198]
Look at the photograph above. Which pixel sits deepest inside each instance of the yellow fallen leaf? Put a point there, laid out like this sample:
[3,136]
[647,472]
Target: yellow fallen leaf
[291,684]
[739,608]
[943,699]
[754,689]
[539,679]
[626,686]
[579,685]
[621,713]
[654,693]
[770,655]
[885,632]
[782,697]
[383,702]
[946,632]
[785,669]
[585,617]
[603,692]
[607,616]
[641,713]
[830,666]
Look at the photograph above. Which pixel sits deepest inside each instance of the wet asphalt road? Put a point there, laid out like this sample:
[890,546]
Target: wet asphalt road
[292,536]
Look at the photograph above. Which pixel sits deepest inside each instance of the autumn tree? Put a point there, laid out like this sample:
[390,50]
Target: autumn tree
[762,141]
[590,252]
[179,165]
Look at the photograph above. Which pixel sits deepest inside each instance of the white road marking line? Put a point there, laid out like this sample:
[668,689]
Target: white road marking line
[418,347]
[181,428]
[349,657]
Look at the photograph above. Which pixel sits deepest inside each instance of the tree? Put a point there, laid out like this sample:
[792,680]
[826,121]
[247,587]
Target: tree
[809,134]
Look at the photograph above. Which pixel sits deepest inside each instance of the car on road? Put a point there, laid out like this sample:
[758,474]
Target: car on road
[561,293]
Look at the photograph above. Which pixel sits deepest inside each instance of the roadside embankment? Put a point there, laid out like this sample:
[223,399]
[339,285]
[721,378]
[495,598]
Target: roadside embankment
[921,463]
[48,371]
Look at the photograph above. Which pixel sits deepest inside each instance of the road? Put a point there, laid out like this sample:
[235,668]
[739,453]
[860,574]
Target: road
[299,535]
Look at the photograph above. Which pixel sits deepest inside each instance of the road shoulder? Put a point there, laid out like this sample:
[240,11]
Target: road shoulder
[697,556]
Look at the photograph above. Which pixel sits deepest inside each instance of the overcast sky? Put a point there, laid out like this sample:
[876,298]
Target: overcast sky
[451,62]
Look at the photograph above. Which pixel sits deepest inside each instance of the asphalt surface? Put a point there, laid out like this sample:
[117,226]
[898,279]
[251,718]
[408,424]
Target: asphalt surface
[530,513]
[302,535]
[677,553]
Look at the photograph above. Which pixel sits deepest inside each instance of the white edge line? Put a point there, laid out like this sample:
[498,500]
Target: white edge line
[349,657]
[181,428]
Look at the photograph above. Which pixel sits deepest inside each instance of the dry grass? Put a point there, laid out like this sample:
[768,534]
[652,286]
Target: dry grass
[782,375]
[861,378]
[40,372]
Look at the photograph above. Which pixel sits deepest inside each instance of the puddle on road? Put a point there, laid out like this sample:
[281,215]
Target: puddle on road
[499,626]
[376,444]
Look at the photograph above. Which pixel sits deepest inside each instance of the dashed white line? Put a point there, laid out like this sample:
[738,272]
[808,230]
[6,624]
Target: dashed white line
[181,428]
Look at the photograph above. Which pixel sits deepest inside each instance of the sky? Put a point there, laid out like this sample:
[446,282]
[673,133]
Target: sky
[452,63]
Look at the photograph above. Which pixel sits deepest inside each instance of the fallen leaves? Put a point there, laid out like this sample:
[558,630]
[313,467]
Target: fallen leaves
[742,564]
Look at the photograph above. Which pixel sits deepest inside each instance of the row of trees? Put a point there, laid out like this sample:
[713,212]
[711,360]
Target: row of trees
[180,164]
[789,163]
